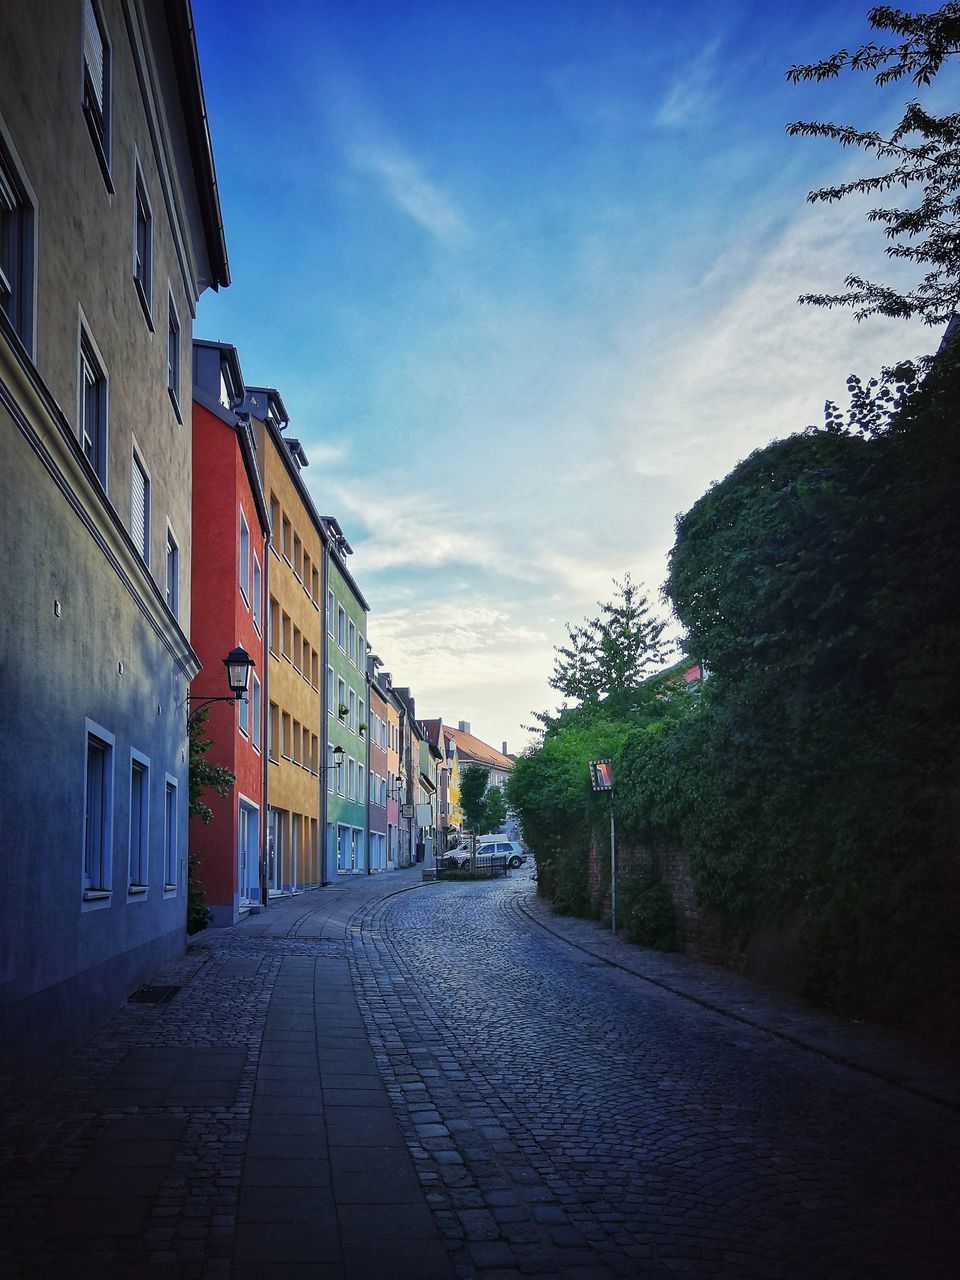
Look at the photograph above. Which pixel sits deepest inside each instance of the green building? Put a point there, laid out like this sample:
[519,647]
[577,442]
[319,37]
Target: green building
[345,712]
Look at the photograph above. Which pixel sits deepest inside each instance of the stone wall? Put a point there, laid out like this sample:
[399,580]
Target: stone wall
[770,955]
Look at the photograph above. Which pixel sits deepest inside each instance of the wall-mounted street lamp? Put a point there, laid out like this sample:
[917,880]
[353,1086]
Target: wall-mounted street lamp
[337,754]
[239,664]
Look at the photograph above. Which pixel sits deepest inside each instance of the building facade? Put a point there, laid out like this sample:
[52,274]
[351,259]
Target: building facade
[110,230]
[294,653]
[231,540]
[377,807]
[346,716]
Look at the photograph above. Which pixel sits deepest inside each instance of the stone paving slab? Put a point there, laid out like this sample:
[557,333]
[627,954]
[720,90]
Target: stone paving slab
[191,1139]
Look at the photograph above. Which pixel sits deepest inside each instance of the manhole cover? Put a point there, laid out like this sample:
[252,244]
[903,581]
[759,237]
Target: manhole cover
[153,995]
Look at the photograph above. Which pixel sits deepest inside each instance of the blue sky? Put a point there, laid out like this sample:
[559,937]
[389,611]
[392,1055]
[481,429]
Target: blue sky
[526,275]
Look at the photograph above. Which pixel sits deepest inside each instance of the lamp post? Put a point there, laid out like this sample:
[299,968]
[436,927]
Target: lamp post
[239,664]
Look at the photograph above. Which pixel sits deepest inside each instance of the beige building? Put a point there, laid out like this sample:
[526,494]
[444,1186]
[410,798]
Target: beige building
[110,230]
[294,681]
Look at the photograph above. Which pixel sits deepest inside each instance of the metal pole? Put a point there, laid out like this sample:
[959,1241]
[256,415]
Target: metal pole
[613,871]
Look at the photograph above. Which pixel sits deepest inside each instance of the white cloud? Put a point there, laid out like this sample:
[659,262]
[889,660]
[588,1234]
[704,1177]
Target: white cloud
[402,181]
[692,91]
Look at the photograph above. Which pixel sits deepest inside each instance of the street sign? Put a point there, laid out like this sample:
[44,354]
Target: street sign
[406,811]
[601,775]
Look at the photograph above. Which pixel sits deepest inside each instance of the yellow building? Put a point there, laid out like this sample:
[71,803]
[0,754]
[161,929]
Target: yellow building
[294,662]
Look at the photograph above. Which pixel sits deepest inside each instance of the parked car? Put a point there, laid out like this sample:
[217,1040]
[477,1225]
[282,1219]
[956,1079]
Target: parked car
[515,853]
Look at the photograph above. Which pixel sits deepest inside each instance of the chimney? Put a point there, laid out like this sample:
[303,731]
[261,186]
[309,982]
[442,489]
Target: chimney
[504,749]
[463,726]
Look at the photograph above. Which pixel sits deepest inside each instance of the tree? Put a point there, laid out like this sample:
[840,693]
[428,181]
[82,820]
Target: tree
[923,151]
[202,772]
[473,787]
[494,809]
[609,657]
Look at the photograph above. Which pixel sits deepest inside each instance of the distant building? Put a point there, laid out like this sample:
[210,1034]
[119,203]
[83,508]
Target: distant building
[472,750]
[110,230]
[377,701]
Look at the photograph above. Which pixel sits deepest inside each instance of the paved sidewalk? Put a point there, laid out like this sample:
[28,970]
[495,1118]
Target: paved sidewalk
[898,1059]
[242,1129]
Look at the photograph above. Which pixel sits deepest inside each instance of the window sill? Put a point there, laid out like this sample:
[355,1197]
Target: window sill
[137,890]
[96,895]
[169,890]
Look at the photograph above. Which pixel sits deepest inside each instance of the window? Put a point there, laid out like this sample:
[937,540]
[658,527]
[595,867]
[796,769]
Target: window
[274,519]
[297,648]
[341,780]
[315,587]
[341,699]
[140,509]
[96,85]
[331,766]
[274,626]
[98,813]
[243,717]
[361,794]
[17,262]
[352,723]
[138,876]
[314,753]
[352,779]
[244,558]
[92,408]
[286,735]
[331,607]
[256,713]
[361,716]
[142,244]
[257,592]
[171,843]
[273,731]
[315,669]
[341,628]
[287,535]
[306,573]
[306,660]
[285,635]
[297,556]
[173,575]
[352,642]
[296,742]
[173,355]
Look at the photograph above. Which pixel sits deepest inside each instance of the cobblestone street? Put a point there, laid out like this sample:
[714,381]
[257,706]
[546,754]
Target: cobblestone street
[365,1081]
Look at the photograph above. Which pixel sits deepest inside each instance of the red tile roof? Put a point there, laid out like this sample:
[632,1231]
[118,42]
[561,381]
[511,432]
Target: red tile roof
[472,751]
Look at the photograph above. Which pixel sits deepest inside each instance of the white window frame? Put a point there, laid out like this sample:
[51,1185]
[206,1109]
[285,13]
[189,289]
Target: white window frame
[137,888]
[331,611]
[142,265]
[137,464]
[256,711]
[244,559]
[174,354]
[243,717]
[330,687]
[98,113]
[352,713]
[172,585]
[171,839]
[341,628]
[19,287]
[89,357]
[257,601]
[352,641]
[98,895]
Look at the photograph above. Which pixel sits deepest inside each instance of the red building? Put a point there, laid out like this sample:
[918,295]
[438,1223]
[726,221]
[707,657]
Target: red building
[231,530]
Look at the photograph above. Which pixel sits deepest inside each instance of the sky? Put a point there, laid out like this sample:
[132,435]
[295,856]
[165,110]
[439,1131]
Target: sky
[525,274]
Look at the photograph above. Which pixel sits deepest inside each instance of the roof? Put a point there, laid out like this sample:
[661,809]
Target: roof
[472,750]
[186,59]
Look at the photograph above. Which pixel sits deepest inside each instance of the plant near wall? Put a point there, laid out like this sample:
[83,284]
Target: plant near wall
[202,774]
